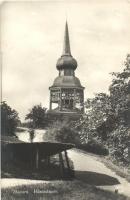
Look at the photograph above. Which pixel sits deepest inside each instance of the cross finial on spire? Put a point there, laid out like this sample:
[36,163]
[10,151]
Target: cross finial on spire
[66,47]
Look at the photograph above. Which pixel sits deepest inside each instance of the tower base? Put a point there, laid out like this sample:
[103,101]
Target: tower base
[61,115]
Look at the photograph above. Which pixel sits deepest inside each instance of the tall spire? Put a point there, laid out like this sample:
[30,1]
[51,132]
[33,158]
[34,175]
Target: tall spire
[66,47]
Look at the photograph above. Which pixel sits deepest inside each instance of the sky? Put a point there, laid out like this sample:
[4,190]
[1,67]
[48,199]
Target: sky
[32,35]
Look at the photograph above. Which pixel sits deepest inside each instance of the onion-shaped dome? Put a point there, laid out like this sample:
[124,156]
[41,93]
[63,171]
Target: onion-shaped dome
[66,62]
[69,81]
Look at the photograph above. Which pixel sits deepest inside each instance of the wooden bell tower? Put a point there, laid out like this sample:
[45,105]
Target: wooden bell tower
[66,93]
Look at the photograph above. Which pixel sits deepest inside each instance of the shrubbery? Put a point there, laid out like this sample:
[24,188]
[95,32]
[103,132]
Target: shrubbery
[94,147]
[62,132]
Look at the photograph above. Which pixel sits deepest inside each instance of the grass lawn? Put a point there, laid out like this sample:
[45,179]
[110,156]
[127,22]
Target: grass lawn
[59,190]
[123,172]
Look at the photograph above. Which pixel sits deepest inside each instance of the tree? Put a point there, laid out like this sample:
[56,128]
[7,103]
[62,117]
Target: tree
[97,111]
[9,119]
[120,92]
[107,117]
[37,115]
[120,101]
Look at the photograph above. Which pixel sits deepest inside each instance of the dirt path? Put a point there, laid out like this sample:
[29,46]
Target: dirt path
[92,171]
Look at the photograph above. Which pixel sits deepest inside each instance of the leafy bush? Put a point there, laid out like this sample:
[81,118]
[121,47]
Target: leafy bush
[62,132]
[118,145]
[94,147]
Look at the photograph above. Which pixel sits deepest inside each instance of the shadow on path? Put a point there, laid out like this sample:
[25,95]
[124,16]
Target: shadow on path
[93,178]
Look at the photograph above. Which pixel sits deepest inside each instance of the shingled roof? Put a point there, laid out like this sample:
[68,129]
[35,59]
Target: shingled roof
[47,148]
